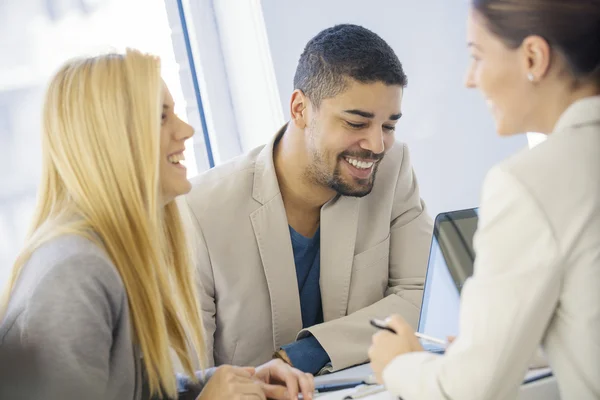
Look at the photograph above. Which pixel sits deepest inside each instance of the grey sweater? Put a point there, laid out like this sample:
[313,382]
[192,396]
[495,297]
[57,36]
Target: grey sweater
[67,332]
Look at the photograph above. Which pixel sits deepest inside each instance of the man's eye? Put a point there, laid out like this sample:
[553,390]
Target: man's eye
[356,126]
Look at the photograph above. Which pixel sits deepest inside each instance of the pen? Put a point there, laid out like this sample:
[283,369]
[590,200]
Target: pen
[377,323]
[431,339]
[333,387]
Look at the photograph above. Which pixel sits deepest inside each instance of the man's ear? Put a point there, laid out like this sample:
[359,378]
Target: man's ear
[298,107]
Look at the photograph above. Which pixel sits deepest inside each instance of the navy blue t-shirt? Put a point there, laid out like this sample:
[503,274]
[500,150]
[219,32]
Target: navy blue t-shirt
[307,257]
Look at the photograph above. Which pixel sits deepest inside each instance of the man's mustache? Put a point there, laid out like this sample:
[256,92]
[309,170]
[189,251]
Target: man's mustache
[365,155]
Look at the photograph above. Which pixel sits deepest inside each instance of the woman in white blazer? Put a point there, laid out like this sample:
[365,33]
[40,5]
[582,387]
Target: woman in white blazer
[537,272]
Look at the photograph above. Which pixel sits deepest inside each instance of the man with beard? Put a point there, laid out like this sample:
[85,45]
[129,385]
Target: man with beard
[300,242]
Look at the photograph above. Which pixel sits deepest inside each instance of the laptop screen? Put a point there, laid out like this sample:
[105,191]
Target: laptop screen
[451,261]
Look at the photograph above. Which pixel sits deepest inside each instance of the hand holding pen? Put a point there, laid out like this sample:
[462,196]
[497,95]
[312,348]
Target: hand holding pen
[377,323]
[395,338]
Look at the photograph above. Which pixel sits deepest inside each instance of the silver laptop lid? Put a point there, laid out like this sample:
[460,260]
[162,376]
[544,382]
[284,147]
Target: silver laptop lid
[451,259]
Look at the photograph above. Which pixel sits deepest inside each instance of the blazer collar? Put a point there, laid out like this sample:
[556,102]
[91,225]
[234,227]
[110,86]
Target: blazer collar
[266,185]
[583,112]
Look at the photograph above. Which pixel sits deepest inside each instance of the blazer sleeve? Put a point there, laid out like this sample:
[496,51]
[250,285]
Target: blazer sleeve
[61,347]
[347,339]
[505,307]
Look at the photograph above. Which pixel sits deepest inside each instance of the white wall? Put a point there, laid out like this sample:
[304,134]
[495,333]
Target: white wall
[448,128]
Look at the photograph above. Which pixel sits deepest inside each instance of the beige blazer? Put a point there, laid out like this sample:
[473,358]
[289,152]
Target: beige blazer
[374,254]
[536,279]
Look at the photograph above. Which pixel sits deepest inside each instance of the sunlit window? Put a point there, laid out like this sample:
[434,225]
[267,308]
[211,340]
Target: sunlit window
[36,36]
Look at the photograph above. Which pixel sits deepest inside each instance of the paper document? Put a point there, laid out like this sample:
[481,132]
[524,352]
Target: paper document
[349,392]
[364,372]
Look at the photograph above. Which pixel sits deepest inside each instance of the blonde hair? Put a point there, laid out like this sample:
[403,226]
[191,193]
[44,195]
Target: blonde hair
[100,180]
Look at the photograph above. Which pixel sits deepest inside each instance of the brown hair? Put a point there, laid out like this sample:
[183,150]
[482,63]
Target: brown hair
[571,28]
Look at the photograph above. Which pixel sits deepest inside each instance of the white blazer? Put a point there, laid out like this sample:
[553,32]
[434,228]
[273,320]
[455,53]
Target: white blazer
[536,279]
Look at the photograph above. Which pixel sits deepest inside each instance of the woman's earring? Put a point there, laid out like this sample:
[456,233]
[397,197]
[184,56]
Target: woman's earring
[530,77]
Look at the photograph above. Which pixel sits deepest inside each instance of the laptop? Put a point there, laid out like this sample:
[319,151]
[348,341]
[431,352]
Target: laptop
[451,260]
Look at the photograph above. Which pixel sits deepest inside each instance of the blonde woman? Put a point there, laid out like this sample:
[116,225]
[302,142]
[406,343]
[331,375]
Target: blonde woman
[104,289]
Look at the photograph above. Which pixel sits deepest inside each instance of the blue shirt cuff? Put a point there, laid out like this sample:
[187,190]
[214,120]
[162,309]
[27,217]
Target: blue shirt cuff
[307,354]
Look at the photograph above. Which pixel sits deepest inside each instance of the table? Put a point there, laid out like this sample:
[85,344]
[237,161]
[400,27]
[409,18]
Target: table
[543,389]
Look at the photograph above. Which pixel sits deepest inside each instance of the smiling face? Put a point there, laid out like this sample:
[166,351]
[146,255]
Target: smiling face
[348,135]
[173,134]
[500,73]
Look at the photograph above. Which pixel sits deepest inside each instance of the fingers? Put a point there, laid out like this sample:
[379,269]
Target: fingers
[295,380]
[230,382]
[250,390]
[307,384]
[371,351]
[292,385]
[398,324]
[276,392]
[233,375]
[381,336]
[234,371]
[377,340]
[375,366]
[404,331]
[311,380]
[376,360]
[299,382]
[245,372]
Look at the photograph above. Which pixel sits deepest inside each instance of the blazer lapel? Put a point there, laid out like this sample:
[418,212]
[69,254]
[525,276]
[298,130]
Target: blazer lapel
[274,244]
[339,223]
[583,112]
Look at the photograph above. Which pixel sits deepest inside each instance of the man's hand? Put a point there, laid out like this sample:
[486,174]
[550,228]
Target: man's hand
[281,382]
[386,345]
[232,383]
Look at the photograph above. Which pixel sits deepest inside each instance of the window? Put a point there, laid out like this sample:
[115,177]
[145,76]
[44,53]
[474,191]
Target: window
[36,37]
[235,73]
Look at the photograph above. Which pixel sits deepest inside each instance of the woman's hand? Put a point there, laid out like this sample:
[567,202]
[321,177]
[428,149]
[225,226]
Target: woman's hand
[386,345]
[232,383]
[281,381]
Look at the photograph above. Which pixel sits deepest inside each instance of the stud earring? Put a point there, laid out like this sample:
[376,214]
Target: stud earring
[530,77]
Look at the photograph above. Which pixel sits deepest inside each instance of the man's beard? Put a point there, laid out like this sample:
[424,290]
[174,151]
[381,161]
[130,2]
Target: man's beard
[317,172]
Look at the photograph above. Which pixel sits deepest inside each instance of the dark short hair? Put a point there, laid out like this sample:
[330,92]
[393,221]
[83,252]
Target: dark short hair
[341,52]
[571,28]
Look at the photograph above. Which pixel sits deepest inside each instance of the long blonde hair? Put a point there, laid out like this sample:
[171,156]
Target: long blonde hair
[100,180]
